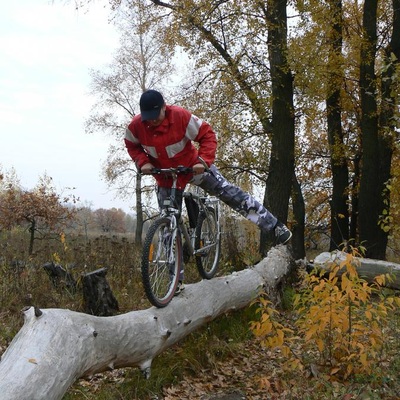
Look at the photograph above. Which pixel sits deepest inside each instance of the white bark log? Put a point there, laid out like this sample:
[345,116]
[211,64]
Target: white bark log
[366,267]
[53,350]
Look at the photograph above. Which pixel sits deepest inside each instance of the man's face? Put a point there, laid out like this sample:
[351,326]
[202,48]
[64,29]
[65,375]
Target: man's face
[159,120]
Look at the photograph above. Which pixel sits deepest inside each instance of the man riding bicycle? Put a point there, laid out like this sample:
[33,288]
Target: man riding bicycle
[162,136]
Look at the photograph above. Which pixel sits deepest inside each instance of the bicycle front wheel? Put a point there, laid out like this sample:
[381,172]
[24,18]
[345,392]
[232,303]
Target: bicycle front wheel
[161,262]
[207,244]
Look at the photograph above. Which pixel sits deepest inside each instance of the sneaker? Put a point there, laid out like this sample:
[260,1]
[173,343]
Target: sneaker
[282,233]
[179,289]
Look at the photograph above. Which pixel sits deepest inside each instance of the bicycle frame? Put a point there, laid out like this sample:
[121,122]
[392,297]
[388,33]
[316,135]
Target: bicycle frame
[173,212]
[204,202]
[163,249]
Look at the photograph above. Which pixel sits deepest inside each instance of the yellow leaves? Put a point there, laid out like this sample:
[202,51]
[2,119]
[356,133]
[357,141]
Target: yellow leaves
[264,383]
[341,321]
[56,258]
[385,228]
[270,330]
[338,322]
[385,221]
[380,280]
[320,344]
[311,332]
[363,359]
[286,351]
[63,241]
[335,370]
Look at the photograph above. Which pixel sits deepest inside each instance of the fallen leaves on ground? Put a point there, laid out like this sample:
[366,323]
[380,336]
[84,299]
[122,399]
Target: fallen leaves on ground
[254,373]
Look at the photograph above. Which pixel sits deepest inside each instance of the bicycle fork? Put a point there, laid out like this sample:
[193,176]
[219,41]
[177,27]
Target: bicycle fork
[173,233]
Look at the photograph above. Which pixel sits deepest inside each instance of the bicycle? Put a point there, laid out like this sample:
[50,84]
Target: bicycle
[163,251]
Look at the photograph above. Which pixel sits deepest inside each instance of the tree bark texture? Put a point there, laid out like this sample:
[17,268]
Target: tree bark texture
[55,347]
[98,298]
[366,268]
[340,173]
[281,169]
[388,121]
[372,183]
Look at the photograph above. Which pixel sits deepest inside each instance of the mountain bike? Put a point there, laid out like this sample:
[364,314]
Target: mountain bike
[171,240]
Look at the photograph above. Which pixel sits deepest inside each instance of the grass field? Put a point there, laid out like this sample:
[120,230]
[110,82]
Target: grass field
[222,357]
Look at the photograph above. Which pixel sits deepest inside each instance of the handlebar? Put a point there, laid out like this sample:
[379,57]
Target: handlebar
[181,170]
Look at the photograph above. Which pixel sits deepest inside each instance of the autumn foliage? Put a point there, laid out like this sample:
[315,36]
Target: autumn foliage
[340,324]
[40,210]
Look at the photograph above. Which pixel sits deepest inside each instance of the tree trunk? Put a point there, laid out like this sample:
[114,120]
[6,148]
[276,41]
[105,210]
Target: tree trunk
[340,173]
[366,268]
[354,196]
[55,347]
[281,167]
[32,230]
[388,122]
[281,130]
[371,185]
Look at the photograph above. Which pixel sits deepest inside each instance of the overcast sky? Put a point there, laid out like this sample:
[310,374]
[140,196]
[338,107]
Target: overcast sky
[46,53]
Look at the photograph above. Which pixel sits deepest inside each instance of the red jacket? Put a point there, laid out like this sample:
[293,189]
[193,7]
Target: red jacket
[171,143]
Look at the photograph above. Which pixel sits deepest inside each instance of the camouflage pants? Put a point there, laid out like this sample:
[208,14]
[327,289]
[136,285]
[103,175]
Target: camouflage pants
[245,204]
[214,183]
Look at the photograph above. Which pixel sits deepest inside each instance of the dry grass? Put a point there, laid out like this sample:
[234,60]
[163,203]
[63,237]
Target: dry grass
[220,358]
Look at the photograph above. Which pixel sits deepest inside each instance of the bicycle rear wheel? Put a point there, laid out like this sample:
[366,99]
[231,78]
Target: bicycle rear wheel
[207,244]
[161,262]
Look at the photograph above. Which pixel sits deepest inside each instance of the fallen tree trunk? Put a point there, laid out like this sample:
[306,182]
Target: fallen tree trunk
[55,347]
[367,268]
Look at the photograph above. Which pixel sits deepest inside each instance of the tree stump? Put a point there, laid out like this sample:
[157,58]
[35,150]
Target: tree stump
[59,276]
[98,298]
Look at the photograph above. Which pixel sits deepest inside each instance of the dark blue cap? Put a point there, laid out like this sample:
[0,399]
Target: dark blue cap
[150,103]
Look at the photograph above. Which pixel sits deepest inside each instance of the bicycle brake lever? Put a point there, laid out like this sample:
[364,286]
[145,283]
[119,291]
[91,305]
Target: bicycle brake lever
[206,167]
[184,170]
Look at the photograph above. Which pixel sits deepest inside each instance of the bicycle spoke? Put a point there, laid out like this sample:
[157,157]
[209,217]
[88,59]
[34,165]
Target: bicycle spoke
[160,265]
[207,244]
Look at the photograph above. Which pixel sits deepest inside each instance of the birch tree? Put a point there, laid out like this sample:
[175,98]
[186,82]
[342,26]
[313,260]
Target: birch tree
[141,62]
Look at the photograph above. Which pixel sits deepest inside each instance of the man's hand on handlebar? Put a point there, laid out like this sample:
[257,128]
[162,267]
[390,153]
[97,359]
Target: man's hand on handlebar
[198,169]
[147,169]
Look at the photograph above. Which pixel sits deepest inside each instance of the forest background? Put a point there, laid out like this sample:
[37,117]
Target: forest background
[304,98]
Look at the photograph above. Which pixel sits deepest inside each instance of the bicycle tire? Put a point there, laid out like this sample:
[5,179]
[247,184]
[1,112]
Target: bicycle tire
[207,237]
[160,276]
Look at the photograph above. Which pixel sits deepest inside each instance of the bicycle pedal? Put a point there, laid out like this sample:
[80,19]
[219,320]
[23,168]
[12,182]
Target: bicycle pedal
[179,289]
